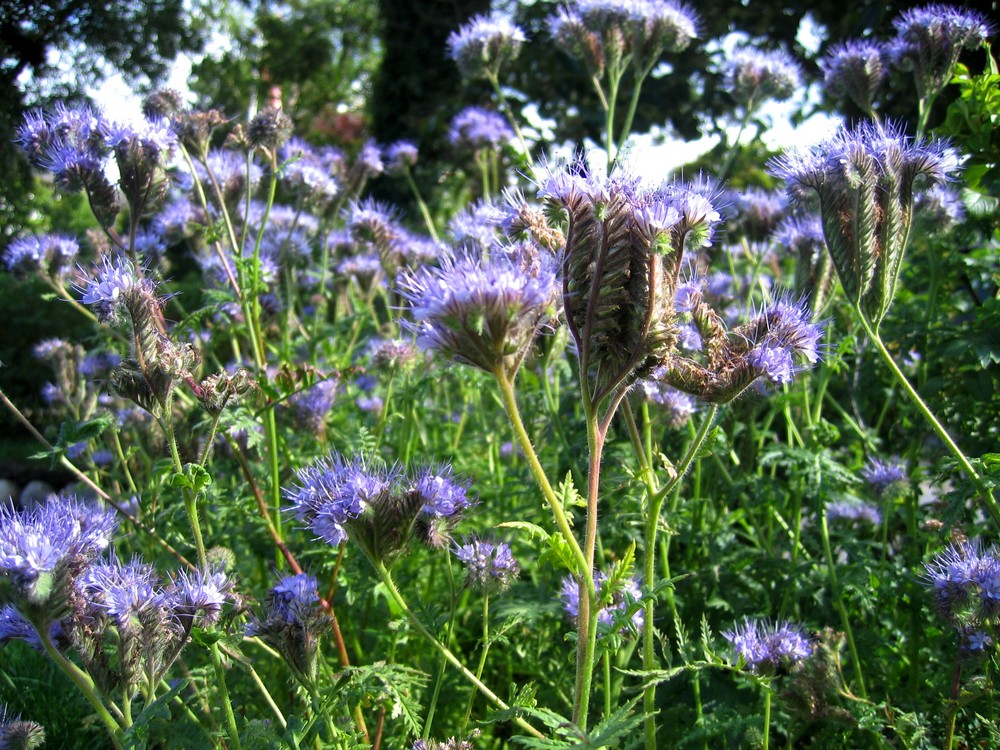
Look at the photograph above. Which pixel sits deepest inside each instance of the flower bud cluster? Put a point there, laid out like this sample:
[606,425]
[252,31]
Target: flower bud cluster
[622,611]
[381,509]
[965,578]
[865,180]
[490,566]
[292,622]
[482,308]
[484,44]
[610,33]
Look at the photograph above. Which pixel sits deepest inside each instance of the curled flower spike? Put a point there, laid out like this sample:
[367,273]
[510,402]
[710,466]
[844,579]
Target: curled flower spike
[855,69]
[865,181]
[484,44]
[482,310]
[929,40]
[752,75]
[769,648]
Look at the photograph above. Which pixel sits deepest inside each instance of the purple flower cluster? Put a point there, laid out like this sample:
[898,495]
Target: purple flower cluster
[767,648]
[292,622]
[856,69]
[929,40]
[965,578]
[865,181]
[40,544]
[483,310]
[484,44]
[475,128]
[885,477]
[622,610]
[490,566]
[752,75]
[116,279]
[380,508]
[785,334]
[50,254]
[400,156]
[640,30]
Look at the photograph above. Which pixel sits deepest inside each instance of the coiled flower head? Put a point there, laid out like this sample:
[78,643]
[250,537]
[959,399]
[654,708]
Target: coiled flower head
[865,181]
[929,40]
[752,75]
[855,69]
[484,44]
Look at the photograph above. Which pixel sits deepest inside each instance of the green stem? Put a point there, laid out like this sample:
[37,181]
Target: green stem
[524,440]
[444,650]
[838,603]
[482,660]
[940,431]
[428,221]
[656,497]
[227,705]
[82,680]
[767,718]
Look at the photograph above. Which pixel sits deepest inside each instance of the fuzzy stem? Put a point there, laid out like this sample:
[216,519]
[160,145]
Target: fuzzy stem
[227,704]
[509,113]
[940,431]
[524,440]
[767,718]
[82,680]
[424,212]
[482,660]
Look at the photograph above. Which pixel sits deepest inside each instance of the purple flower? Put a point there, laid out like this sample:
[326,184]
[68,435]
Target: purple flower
[391,354]
[801,235]
[38,544]
[490,566]
[116,278]
[441,495]
[883,477]
[483,311]
[476,128]
[787,326]
[855,69]
[751,75]
[292,622]
[678,405]
[478,224]
[129,593]
[335,491]
[929,40]
[369,159]
[620,602]
[400,156]
[313,404]
[767,648]
[481,46]
[204,591]
[865,182]
[853,511]
[939,208]
[757,213]
[775,363]
[965,577]
[49,253]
